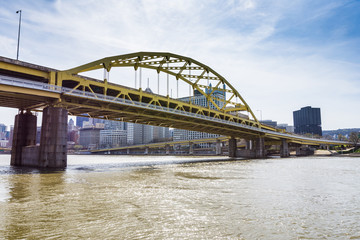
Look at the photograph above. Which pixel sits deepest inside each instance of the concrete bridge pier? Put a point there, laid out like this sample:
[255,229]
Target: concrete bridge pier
[24,135]
[167,149]
[191,148]
[260,148]
[284,149]
[254,148]
[248,144]
[52,152]
[304,150]
[232,147]
[53,141]
[218,147]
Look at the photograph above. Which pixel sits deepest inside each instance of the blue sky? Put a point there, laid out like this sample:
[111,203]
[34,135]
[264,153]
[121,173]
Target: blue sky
[280,55]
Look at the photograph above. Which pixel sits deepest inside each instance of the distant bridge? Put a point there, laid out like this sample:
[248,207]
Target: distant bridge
[167,145]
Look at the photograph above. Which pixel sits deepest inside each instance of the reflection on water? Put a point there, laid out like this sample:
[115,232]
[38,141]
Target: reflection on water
[124,197]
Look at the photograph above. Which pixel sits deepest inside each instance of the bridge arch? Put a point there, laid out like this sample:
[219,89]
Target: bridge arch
[220,94]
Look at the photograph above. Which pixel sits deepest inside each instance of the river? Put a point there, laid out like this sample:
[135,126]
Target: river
[167,197]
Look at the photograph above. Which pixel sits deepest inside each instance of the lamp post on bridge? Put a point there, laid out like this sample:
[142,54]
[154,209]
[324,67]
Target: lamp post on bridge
[17,54]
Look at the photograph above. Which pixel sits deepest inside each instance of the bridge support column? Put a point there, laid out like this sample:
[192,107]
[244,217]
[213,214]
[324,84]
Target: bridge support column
[24,135]
[53,141]
[260,148]
[232,147]
[284,149]
[248,144]
[298,151]
[167,149]
[191,148]
[218,147]
[304,151]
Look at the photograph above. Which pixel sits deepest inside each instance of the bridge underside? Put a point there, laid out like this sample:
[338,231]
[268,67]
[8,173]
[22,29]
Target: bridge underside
[26,99]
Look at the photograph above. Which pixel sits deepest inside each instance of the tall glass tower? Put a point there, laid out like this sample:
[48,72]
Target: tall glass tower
[307,120]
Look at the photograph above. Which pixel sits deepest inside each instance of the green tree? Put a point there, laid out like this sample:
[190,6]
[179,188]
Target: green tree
[341,137]
[78,147]
[354,138]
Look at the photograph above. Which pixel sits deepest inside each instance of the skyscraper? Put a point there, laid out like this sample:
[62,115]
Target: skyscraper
[139,134]
[199,99]
[2,131]
[80,120]
[307,120]
[143,133]
[161,134]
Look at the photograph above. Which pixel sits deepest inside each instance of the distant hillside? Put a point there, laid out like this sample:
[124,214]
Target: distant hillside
[345,132]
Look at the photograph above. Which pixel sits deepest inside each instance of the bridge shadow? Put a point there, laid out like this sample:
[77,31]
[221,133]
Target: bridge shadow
[15,170]
[149,164]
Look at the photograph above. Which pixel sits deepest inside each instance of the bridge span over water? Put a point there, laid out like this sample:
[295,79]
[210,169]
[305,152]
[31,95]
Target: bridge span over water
[29,87]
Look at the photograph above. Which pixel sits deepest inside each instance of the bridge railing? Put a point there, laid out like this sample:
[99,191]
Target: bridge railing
[78,93]
[28,84]
[97,96]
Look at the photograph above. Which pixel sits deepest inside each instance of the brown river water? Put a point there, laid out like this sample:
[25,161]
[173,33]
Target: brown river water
[150,197]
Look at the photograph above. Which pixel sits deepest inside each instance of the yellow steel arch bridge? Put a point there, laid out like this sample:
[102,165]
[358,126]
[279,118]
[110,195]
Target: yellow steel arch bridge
[31,87]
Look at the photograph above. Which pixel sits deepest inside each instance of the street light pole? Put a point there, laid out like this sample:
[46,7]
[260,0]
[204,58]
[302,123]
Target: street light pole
[17,55]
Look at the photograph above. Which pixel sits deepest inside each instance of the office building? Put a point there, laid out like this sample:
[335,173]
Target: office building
[2,131]
[286,127]
[115,125]
[71,125]
[161,134]
[219,97]
[90,137]
[113,138]
[143,134]
[199,99]
[307,120]
[269,123]
[139,134]
[80,120]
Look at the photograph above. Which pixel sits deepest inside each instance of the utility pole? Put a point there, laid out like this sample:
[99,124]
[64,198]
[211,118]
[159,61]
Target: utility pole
[17,55]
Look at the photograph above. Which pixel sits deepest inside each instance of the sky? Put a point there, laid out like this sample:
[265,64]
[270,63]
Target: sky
[280,55]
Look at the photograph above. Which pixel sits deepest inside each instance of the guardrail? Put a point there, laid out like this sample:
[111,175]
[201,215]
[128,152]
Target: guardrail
[28,84]
[100,97]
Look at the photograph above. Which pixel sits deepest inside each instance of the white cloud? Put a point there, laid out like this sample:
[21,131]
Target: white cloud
[239,39]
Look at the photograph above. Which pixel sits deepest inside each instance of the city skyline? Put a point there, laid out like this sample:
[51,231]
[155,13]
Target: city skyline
[279,56]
